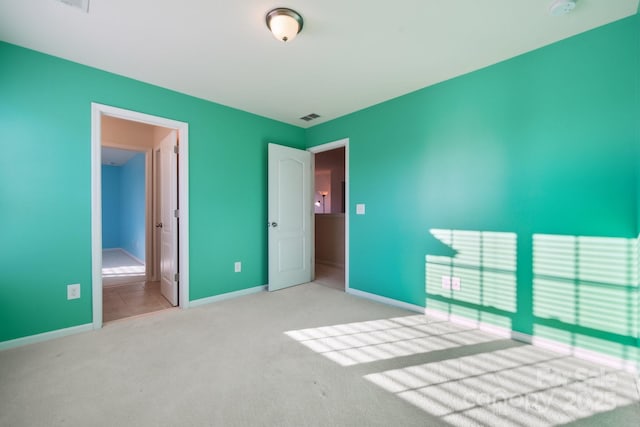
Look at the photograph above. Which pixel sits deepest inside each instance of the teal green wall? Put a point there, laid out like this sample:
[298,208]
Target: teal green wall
[521,178]
[532,159]
[45,186]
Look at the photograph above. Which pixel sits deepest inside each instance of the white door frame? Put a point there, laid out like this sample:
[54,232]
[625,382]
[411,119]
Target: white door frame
[327,147]
[97,112]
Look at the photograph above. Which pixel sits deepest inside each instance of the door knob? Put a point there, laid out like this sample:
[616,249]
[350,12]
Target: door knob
[159,225]
[274,224]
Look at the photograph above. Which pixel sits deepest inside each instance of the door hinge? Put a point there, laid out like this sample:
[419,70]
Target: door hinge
[176,277]
[176,213]
[175,149]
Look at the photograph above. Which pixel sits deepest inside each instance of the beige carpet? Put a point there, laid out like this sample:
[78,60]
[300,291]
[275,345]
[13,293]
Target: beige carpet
[305,356]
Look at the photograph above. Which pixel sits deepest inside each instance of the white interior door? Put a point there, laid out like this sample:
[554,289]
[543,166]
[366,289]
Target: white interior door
[168,171]
[290,217]
[157,215]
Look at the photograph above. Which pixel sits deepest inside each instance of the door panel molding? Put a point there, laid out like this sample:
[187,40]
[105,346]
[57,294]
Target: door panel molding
[290,218]
[169,231]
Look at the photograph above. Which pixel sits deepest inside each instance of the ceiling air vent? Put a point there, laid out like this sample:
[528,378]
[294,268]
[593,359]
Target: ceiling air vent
[561,7]
[83,5]
[310,117]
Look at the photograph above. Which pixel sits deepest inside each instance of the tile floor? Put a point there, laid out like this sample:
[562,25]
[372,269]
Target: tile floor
[132,299]
[125,291]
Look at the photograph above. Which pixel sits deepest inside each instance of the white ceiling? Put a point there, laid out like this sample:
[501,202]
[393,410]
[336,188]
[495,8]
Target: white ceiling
[351,53]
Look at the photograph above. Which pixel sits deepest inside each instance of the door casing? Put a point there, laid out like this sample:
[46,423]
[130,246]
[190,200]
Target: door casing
[97,112]
[327,147]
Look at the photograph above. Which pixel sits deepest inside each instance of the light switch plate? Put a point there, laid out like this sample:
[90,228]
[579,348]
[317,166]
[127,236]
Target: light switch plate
[237,267]
[73,291]
[455,283]
[446,282]
[360,209]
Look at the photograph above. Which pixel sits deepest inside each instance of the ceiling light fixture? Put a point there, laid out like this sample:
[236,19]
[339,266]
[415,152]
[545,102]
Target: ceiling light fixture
[285,24]
[561,7]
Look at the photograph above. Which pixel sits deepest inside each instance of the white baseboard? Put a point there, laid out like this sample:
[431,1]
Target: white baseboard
[552,345]
[5,345]
[126,252]
[133,256]
[31,339]
[470,323]
[228,295]
[385,300]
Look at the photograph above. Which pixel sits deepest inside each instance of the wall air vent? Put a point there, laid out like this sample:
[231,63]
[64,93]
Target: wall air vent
[83,5]
[310,117]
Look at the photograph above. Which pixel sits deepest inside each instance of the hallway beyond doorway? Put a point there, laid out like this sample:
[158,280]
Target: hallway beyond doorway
[126,292]
[330,276]
[119,267]
[132,299]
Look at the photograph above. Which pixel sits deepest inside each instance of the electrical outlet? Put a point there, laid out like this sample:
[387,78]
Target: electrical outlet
[73,291]
[446,282]
[455,283]
[237,267]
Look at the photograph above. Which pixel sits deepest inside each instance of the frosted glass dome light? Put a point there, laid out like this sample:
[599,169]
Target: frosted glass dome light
[285,24]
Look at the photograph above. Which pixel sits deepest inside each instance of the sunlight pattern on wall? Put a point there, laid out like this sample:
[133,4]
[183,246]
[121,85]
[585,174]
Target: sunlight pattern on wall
[370,341]
[522,386]
[485,262]
[585,292]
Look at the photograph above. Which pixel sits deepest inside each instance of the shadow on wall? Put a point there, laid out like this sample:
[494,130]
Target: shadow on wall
[573,291]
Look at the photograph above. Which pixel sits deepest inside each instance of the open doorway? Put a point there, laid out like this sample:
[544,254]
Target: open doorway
[331,214]
[124,215]
[131,189]
[138,162]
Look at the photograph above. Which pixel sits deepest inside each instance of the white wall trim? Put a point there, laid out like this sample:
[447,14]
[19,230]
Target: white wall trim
[133,256]
[385,300]
[96,215]
[228,295]
[332,146]
[547,344]
[46,336]
[97,111]
[470,323]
